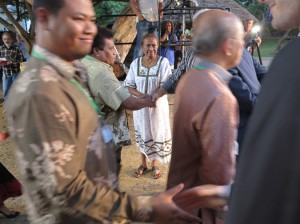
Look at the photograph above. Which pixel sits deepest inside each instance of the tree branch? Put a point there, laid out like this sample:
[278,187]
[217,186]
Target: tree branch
[7,25]
[15,23]
[29,1]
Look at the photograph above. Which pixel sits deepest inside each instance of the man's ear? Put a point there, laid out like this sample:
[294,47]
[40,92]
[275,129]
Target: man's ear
[42,16]
[96,51]
[227,47]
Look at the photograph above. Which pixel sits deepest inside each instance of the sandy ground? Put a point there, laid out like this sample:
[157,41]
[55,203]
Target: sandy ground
[130,161]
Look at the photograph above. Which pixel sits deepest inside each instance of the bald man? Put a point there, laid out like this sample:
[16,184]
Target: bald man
[205,118]
[266,190]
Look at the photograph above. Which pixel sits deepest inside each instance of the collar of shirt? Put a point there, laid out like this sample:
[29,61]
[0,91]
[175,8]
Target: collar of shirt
[8,48]
[66,69]
[220,72]
[90,58]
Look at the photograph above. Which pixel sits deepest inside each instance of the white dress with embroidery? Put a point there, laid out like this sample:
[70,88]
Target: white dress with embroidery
[152,125]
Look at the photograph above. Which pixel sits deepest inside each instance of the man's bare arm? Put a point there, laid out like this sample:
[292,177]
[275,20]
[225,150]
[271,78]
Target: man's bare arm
[136,10]
[134,103]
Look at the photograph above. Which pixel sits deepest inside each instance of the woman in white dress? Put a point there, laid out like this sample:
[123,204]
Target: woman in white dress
[152,125]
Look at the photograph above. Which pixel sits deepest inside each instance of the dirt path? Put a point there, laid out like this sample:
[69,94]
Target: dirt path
[130,161]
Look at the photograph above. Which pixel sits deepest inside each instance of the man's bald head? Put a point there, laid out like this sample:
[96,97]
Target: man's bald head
[212,28]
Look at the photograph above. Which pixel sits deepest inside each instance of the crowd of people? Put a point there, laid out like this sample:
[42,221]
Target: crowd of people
[232,135]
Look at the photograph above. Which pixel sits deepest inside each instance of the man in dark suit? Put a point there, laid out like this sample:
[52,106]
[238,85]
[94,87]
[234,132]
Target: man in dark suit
[267,186]
[245,86]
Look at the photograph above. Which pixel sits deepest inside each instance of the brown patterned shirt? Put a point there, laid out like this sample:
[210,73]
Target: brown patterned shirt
[68,173]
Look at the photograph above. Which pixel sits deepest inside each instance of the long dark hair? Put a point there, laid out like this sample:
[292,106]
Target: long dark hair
[163,29]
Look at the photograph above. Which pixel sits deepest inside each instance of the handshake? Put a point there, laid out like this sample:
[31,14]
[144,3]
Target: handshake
[147,99]
[151,99]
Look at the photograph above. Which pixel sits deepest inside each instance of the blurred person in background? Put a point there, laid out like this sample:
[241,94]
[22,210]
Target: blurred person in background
[11,57]
[21,44]
[168,37]
[252,38]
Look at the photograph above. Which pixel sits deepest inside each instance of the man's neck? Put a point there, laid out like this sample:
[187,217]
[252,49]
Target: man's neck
[216,59]
[94,56]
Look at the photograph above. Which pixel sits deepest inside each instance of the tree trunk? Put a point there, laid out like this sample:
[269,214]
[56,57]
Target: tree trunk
[125,31]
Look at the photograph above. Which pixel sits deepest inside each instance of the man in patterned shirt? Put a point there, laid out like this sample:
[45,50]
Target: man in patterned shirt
[108,91]
[68,173]
[11,57]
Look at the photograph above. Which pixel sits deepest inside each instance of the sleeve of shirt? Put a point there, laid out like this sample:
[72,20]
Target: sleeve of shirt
[175,39]
[218,135]
[173,79]
[130,78]
[51,165]
[165,71]
[246,99]
[260,70]
[107,87]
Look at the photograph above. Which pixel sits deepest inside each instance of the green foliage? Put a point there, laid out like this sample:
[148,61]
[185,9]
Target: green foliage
[108,8]
[268,48]
[254,7]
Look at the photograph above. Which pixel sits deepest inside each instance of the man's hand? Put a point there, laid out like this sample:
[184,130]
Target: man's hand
[141,17]
[258,40]
[159,93]
[149,102]
[166,211]
[204,196]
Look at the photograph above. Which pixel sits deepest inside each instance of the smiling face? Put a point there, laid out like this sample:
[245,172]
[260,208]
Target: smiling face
[150,46]
[72,29]
[286,13]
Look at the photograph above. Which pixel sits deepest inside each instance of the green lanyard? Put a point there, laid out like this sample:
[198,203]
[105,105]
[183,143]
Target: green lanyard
[199,67]
[78,85]
[92,101]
